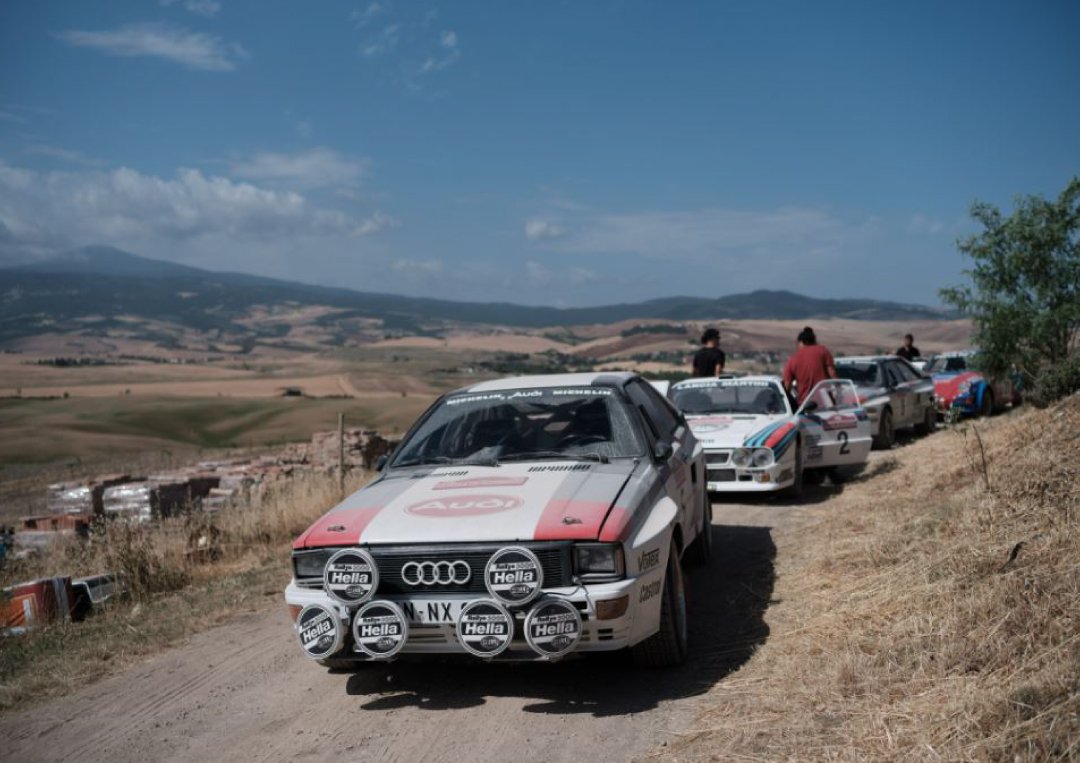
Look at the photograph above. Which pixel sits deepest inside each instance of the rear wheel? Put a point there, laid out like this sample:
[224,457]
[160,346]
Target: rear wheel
[886,435]
[667,647]
[929,422]
[700,551]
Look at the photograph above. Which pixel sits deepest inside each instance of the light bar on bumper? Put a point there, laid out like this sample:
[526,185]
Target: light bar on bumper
[598,562]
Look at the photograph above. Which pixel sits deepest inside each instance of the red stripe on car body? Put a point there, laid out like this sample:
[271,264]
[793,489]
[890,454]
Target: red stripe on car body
[571,520]
[617,526]
[352,523]
[775,438]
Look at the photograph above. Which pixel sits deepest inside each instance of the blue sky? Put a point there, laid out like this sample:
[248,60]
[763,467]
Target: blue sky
[564,153]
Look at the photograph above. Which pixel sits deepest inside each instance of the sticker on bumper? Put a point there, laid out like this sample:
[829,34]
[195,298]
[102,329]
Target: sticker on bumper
[485,628]
[380,629]
[319,631]
[351,576]
[553,628]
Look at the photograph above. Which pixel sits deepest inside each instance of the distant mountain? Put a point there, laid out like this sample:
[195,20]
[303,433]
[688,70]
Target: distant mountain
[94,286]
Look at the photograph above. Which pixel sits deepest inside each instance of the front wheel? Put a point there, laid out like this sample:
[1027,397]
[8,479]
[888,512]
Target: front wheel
[929,422]
[795,489]
[886,435]
[700,551]
[667,647]
[987,407]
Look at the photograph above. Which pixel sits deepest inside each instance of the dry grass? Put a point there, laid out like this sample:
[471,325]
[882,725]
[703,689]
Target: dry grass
[933,614]
[185,575]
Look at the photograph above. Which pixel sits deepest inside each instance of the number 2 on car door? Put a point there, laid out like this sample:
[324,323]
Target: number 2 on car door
[843,438]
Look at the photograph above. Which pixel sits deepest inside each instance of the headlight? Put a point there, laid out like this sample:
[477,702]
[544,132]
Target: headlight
[742,457]
[963,388]
[596,560]
[763,457]
[310,564]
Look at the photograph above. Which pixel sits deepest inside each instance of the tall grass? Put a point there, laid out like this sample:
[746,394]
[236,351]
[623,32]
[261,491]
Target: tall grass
[932,614]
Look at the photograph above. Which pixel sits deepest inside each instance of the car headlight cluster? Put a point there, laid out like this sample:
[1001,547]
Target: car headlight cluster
[599,560]
[310,564]
[757,458]
[963,388]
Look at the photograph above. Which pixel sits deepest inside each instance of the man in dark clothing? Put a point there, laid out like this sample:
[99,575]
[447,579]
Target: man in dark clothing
[909,351]
[811,363]
[709,360]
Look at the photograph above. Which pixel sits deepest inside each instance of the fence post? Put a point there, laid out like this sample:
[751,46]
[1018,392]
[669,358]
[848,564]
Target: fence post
[341,452]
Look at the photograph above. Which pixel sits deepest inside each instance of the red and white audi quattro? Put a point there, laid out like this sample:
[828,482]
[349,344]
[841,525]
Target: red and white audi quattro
[526,518]
[755,442]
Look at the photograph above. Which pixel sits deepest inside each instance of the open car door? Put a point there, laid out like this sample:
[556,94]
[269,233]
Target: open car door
[836,429]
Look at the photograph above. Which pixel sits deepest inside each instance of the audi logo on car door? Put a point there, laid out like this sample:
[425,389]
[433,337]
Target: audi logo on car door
[436,573]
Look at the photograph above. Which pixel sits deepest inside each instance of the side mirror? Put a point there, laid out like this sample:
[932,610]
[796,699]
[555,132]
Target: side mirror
[663,451]
[810,406]
[381,461]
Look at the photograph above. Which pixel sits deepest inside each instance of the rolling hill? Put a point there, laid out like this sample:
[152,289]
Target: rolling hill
[98,288]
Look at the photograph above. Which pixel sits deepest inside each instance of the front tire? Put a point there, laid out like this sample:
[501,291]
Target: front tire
[700,551]
[795,489]
[667,647]
[986,410]
[929,423]
[886,435]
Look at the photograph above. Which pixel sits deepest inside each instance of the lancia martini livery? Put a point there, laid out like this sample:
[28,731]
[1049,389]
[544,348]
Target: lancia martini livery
[526,518]
[755,442]
[959,387]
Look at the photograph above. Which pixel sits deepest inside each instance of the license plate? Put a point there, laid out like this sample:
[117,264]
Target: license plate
[433,611]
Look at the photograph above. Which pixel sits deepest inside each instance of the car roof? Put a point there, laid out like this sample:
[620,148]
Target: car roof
[866,359]
[957,354]
[604,378]
[708,381]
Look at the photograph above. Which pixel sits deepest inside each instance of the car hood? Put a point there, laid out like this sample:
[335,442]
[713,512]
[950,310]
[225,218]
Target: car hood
[546,500]
[728,430]
[949,383]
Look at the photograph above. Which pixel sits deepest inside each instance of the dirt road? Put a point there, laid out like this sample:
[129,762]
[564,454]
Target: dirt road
[244,691]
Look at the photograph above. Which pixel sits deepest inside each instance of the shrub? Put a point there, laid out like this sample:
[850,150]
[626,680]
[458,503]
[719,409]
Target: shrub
[1056,382]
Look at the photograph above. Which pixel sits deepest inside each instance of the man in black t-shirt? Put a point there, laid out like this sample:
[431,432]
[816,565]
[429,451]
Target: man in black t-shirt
[709,360]
[909,351]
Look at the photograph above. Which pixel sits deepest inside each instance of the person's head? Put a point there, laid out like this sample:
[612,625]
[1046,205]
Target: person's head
[908,340]
[711,337]
[806,337]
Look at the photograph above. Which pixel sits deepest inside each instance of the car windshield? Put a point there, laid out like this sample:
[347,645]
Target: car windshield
[757,398]
[865,374]
[518,424]
[945,365]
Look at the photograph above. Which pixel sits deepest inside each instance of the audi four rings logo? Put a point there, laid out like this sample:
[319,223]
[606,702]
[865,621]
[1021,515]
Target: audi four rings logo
[436,573]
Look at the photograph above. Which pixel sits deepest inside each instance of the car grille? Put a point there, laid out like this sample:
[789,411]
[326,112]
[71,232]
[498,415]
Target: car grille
[554,559]
[721,475]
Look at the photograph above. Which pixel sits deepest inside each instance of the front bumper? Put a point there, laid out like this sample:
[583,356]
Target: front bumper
[733,479]
[441,637]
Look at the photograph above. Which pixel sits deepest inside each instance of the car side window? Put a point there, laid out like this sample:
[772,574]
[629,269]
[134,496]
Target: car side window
[661,418]
[892,375]
[907,373]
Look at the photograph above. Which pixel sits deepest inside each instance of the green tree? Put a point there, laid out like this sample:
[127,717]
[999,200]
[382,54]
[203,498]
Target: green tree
[1024,295]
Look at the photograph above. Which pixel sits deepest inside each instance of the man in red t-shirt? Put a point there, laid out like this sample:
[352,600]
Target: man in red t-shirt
[811,363]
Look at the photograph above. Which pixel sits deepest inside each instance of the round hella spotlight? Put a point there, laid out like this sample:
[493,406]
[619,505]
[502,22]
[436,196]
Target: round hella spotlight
[553,628]
[380,629]
[763,457]
[485,628]
[742,457]
[513,575]
[351,577]
[319,630]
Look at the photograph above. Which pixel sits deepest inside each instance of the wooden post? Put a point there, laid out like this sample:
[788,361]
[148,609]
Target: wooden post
[341,452]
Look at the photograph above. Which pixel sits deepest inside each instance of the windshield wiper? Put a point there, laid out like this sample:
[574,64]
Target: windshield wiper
[446,460]
[553,454]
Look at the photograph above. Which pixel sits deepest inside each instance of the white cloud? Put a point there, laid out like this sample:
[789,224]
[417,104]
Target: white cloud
[7,116]
[539,230]
[448,38]
[194,50]
[206,8]
[61,154]
[582,276]
[925,224]
[438,63]
[697,233]
[384,42]
[47,211]
[421,268]
[362,18]
[537,273]
[307,170]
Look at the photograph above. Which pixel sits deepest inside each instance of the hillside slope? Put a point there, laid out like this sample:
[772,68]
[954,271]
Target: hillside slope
[932,614]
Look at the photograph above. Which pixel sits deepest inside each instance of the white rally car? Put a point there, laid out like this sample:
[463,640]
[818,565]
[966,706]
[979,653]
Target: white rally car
[755,442]
[525,518]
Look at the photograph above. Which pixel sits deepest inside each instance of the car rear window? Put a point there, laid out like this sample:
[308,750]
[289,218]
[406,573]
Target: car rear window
[864,374]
